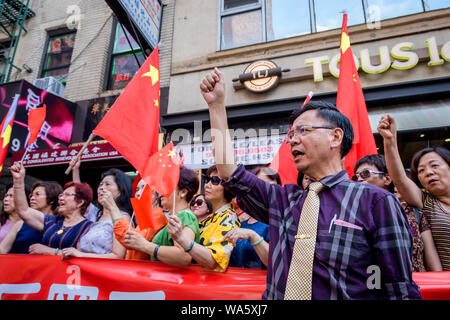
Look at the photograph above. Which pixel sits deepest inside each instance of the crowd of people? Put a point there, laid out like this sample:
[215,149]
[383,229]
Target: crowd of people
[383,215]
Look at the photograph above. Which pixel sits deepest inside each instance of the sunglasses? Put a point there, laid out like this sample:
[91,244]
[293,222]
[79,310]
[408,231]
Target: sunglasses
[365,174]
[215,180]
[197,202]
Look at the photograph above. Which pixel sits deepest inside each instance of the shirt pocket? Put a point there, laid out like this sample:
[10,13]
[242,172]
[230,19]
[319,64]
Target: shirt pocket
[342,246]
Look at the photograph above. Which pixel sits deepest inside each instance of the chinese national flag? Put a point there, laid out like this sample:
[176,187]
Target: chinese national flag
[283,163]
[36,118]
[146,217]
[350,101]
[5,133]
[131,126]
[163,171]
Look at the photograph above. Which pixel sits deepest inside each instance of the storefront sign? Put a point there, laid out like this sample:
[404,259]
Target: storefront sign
[249,151]
[97,150]
[401,56]
[146,14]
[260,76]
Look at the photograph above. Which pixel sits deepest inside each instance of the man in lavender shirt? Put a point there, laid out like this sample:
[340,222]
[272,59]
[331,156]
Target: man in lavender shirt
[363,245]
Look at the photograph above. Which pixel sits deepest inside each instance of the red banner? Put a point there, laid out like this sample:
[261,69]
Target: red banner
[38,277]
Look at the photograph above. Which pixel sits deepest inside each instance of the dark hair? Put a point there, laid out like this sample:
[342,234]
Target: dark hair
[83,191]
[3,215]
[442,152]
[52,191]
[379,162]
[269,172]
[189,181]
[328,112]
[124,185]
[227,194]
[208,203]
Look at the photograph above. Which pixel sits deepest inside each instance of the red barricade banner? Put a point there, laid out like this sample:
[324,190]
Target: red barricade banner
[40,277]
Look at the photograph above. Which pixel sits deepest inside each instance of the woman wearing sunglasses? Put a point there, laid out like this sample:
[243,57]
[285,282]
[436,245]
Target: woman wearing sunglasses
[428,189]
[201,207]
[212,251]
[372,169]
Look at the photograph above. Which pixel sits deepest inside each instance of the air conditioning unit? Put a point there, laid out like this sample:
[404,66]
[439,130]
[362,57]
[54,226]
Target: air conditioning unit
[51,85]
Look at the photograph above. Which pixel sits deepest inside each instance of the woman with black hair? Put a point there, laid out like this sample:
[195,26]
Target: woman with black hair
[212,251]
[428,189]
[100,242]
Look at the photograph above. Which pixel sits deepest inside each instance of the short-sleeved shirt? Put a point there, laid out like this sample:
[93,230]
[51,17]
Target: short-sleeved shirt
[418,248]
[25,238]
[359,226]
[212,232]
[439,220]
[188,219]
[100,237]
[56,236]
[244,254]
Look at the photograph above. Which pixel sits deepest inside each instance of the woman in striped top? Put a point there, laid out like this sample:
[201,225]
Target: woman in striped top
[63,230]
[429,189]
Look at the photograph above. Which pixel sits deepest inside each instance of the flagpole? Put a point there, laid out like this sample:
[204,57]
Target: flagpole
[91,137]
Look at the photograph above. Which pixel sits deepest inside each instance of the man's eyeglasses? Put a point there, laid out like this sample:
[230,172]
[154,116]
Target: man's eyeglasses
[302,129]
[215,180]
[197,202]
[365,174]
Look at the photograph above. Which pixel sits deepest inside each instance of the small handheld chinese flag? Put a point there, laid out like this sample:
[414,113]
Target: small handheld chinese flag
[283,162]
[163,171]
[131,126]
[146,217]
[36,118]
[350,101]
[5,133]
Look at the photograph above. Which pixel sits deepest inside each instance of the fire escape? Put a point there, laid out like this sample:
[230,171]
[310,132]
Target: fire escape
[13,14]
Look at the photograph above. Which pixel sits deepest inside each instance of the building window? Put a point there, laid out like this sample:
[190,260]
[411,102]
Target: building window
[254,21]
[123,60]
[58,55]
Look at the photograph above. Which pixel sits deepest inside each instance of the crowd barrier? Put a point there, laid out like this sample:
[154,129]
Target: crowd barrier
[40,277]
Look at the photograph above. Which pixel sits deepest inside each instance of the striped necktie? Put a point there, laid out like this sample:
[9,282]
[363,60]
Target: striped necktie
[299,281]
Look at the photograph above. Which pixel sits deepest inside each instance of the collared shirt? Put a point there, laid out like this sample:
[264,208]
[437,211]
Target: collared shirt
[363,240]
[212,232]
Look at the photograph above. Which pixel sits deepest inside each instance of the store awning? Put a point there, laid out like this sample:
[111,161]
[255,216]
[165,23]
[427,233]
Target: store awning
[414,116]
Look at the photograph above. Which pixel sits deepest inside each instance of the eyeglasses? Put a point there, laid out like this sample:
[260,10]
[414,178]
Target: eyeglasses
[197,202]
[365,174]
[215,180]
[67,194]
[302,129]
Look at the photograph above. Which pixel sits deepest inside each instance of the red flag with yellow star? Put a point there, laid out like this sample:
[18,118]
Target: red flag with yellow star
[131,125]
[5,131]
[163,171]
[146,217]
[350,101]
